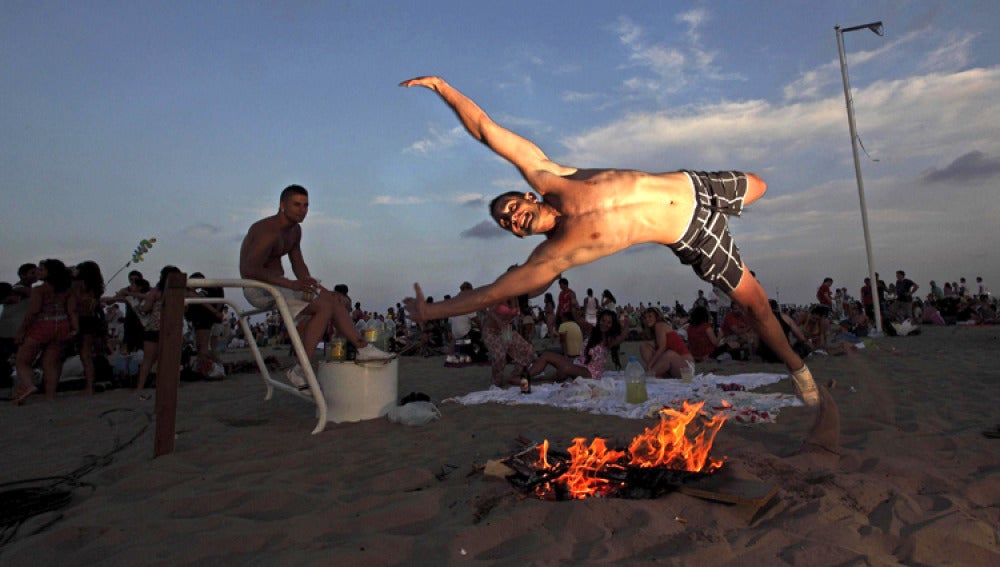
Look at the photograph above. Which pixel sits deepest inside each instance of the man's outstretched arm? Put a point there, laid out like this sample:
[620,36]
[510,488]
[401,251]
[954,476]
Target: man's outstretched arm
[521,152]
[532,277]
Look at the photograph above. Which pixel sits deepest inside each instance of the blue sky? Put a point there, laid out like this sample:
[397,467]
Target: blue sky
[184,120]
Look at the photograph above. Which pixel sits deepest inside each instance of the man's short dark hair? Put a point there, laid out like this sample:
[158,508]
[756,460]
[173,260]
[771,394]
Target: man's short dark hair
[293,190]
[25,268]
[503,196]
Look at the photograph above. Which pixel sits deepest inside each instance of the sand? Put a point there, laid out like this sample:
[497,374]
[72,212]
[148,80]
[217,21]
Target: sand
[915,483]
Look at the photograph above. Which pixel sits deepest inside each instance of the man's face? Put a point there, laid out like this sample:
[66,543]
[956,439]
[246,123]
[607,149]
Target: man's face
[30,276]
[517,214]
[295,207]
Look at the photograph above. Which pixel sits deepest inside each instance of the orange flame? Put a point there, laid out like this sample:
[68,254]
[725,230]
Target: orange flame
[667,445]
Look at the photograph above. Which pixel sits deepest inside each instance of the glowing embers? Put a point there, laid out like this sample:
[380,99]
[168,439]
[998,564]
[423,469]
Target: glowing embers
[656,462]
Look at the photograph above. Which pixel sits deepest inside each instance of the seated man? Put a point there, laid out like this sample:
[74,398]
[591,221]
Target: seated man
[570,335]
[737,332]
[266,243]
[815,325]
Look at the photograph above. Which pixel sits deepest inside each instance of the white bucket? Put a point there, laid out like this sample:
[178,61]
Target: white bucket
[358,391]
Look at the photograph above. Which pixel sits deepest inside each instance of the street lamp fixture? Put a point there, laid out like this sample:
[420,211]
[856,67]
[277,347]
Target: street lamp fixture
[876,28]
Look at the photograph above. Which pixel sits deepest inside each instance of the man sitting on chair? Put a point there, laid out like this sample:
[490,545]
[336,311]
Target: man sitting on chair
[272,238]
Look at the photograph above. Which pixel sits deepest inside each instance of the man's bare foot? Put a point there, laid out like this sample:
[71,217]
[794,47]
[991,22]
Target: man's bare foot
[21,393]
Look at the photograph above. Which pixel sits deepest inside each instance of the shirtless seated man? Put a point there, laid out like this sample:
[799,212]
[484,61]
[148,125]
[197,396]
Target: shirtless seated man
[266,243]
[587,214]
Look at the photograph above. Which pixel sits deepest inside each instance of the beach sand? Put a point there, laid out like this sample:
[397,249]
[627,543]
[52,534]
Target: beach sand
[915,483]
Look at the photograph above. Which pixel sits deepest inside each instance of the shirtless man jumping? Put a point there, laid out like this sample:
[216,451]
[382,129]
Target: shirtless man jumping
[587,214]
[266,243]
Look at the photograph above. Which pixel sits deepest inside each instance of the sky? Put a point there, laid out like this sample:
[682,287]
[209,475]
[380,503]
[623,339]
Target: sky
[184,120]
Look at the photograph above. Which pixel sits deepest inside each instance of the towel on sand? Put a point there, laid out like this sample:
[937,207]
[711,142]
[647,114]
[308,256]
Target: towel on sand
[729,395]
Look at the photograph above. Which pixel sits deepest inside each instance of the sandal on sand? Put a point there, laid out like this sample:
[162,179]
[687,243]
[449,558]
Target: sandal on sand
[21,394]
[806,386]
[297,377]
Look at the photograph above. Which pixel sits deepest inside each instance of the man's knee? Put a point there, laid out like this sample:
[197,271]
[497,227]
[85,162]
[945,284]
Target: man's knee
[756,187]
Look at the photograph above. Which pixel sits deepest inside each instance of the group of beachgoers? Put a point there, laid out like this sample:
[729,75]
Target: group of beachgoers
[56,313]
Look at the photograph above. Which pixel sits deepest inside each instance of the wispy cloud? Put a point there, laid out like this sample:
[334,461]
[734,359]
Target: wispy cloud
[825,80]
[461,199]
[967,167]
[669,66]
[436,140]
[202,231]
[396,200]
[484,230]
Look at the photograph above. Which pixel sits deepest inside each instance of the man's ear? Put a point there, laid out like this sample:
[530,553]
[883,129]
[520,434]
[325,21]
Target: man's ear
[531,197]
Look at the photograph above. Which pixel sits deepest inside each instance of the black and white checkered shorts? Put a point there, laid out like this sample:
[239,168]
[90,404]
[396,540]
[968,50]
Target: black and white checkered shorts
[707,246]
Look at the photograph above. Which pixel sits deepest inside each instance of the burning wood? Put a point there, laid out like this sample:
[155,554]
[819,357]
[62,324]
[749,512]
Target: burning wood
[657,461]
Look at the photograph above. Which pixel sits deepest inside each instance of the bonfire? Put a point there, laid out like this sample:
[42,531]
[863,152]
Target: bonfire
[655,462]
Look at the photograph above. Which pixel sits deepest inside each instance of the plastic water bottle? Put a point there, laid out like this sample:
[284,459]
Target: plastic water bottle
[372,331]
[390,333]
[380,337]
[635,382]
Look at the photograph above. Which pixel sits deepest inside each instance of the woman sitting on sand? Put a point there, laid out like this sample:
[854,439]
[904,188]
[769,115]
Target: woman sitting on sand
[502,341]
[591,362]
[50,322]
[703,343]
[667,354]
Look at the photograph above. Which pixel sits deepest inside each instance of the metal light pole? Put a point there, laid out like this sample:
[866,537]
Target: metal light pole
[876,28]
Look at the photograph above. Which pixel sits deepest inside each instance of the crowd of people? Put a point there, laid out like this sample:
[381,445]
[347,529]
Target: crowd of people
[57,316]
[544,341]
[54,313]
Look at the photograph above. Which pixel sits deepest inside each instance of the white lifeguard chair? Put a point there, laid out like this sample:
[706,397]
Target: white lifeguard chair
[243,316]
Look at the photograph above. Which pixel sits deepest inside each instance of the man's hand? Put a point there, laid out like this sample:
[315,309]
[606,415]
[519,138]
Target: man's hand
[416,306]
[308,284]
[429,81]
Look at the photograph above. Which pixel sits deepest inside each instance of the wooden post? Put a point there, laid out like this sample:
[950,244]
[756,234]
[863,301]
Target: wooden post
[168,375]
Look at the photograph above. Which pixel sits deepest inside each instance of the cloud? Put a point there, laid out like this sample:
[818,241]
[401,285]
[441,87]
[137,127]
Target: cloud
[826,79]
[694,19]
[394,200]
[436,141]
[952,54]
[471,200]
[334,222]
[901,121]
[462,199]
[672,66]
[202,231]
[574,96]
[974,165]
[486,230]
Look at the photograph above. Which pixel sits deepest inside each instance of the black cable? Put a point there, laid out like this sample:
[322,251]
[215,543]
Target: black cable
[17,505]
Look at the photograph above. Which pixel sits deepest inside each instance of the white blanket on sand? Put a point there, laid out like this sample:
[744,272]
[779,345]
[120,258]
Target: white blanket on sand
[729,395]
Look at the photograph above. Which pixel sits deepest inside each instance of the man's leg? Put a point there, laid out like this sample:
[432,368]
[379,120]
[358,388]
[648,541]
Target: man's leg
[321,311]
[750,295]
